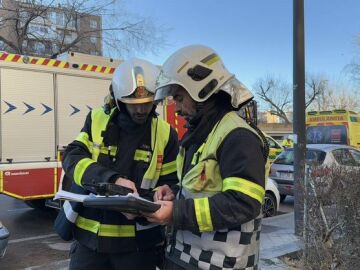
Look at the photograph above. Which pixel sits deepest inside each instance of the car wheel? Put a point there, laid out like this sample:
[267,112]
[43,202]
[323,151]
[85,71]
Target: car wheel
[269,206]
[282,197]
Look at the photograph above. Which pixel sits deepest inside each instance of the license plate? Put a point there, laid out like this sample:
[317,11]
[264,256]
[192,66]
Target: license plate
[284,175]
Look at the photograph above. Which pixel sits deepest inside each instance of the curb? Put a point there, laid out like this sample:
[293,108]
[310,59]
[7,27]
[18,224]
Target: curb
[269,219]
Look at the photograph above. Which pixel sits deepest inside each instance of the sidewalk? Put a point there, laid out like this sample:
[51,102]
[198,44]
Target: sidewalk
[277,239]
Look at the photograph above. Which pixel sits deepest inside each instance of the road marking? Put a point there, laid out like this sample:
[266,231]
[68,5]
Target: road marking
[59,265]
[20,209]
[32,238]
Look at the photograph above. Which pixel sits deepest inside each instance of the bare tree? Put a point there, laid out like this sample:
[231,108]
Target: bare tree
[354,67]
[278,93]
[60,26]
[342,99]
[336,97]
[316,86]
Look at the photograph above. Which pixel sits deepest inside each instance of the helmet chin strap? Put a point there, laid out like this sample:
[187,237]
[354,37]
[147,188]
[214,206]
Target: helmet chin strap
[199,107]
[117,104]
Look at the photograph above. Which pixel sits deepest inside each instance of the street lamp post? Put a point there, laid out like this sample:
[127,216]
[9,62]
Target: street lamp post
[299,112]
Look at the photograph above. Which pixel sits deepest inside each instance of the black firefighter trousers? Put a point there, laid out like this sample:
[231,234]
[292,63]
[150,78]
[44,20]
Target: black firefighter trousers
[82,258]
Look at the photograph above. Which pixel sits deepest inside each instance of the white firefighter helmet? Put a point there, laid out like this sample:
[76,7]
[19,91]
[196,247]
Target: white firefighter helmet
[201,72]
[134,81]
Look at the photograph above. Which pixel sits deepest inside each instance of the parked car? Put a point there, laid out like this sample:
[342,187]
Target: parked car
[274,147]
[4,237]
[324,155]
[272,199]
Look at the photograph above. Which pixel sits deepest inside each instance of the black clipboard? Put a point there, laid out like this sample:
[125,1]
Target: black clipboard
[128,203]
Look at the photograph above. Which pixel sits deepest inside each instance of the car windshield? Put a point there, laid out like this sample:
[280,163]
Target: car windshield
[312,156]
[285,158]
[272,143]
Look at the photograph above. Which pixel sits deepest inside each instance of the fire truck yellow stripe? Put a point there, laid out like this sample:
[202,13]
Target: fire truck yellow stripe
[52,63]
[55,180]
[1,181]
[10,58]
[40,61]
[62,64]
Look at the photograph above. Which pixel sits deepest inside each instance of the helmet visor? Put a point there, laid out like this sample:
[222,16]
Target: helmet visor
[165,87]
[165,91]
[139,96]
[240,94]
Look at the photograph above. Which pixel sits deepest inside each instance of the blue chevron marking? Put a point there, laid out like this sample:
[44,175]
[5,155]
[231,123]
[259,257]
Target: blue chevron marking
[29,108]
[11,107]
[90,108]
[47,109]
[76,110]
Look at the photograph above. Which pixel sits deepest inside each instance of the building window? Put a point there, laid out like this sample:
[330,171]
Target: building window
[93,40]
[53,17]
[70,37]
[60,18]
[39,48]
[93,24]
[72,22]
[55,47]
[38,30]
[24,16]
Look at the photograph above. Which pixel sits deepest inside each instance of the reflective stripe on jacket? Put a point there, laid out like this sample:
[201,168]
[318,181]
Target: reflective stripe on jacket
[236,248]
[118,233]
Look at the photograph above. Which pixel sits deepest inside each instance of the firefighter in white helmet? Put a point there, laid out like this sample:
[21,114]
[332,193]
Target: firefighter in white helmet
[221,167]
[130,146]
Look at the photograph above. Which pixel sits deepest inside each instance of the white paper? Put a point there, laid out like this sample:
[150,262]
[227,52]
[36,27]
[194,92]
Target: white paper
[65,195]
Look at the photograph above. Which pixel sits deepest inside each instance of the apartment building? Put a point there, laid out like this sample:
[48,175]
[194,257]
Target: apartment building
[45,30]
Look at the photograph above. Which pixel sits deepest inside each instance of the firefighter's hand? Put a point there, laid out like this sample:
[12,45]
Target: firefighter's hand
[126,183]
[164,193]
[162,216]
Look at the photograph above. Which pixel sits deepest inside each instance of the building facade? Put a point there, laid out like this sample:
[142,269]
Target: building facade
[41,30]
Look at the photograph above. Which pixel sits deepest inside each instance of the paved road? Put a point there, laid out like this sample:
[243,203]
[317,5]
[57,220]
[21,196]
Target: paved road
[32,240]
[33,243]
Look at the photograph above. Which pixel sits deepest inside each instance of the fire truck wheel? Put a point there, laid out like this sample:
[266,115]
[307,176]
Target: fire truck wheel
[36,204]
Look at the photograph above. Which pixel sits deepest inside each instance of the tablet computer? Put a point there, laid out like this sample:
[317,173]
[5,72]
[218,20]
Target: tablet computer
[128,203]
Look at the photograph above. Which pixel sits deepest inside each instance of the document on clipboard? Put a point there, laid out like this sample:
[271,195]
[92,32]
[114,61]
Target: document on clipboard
[129,203]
